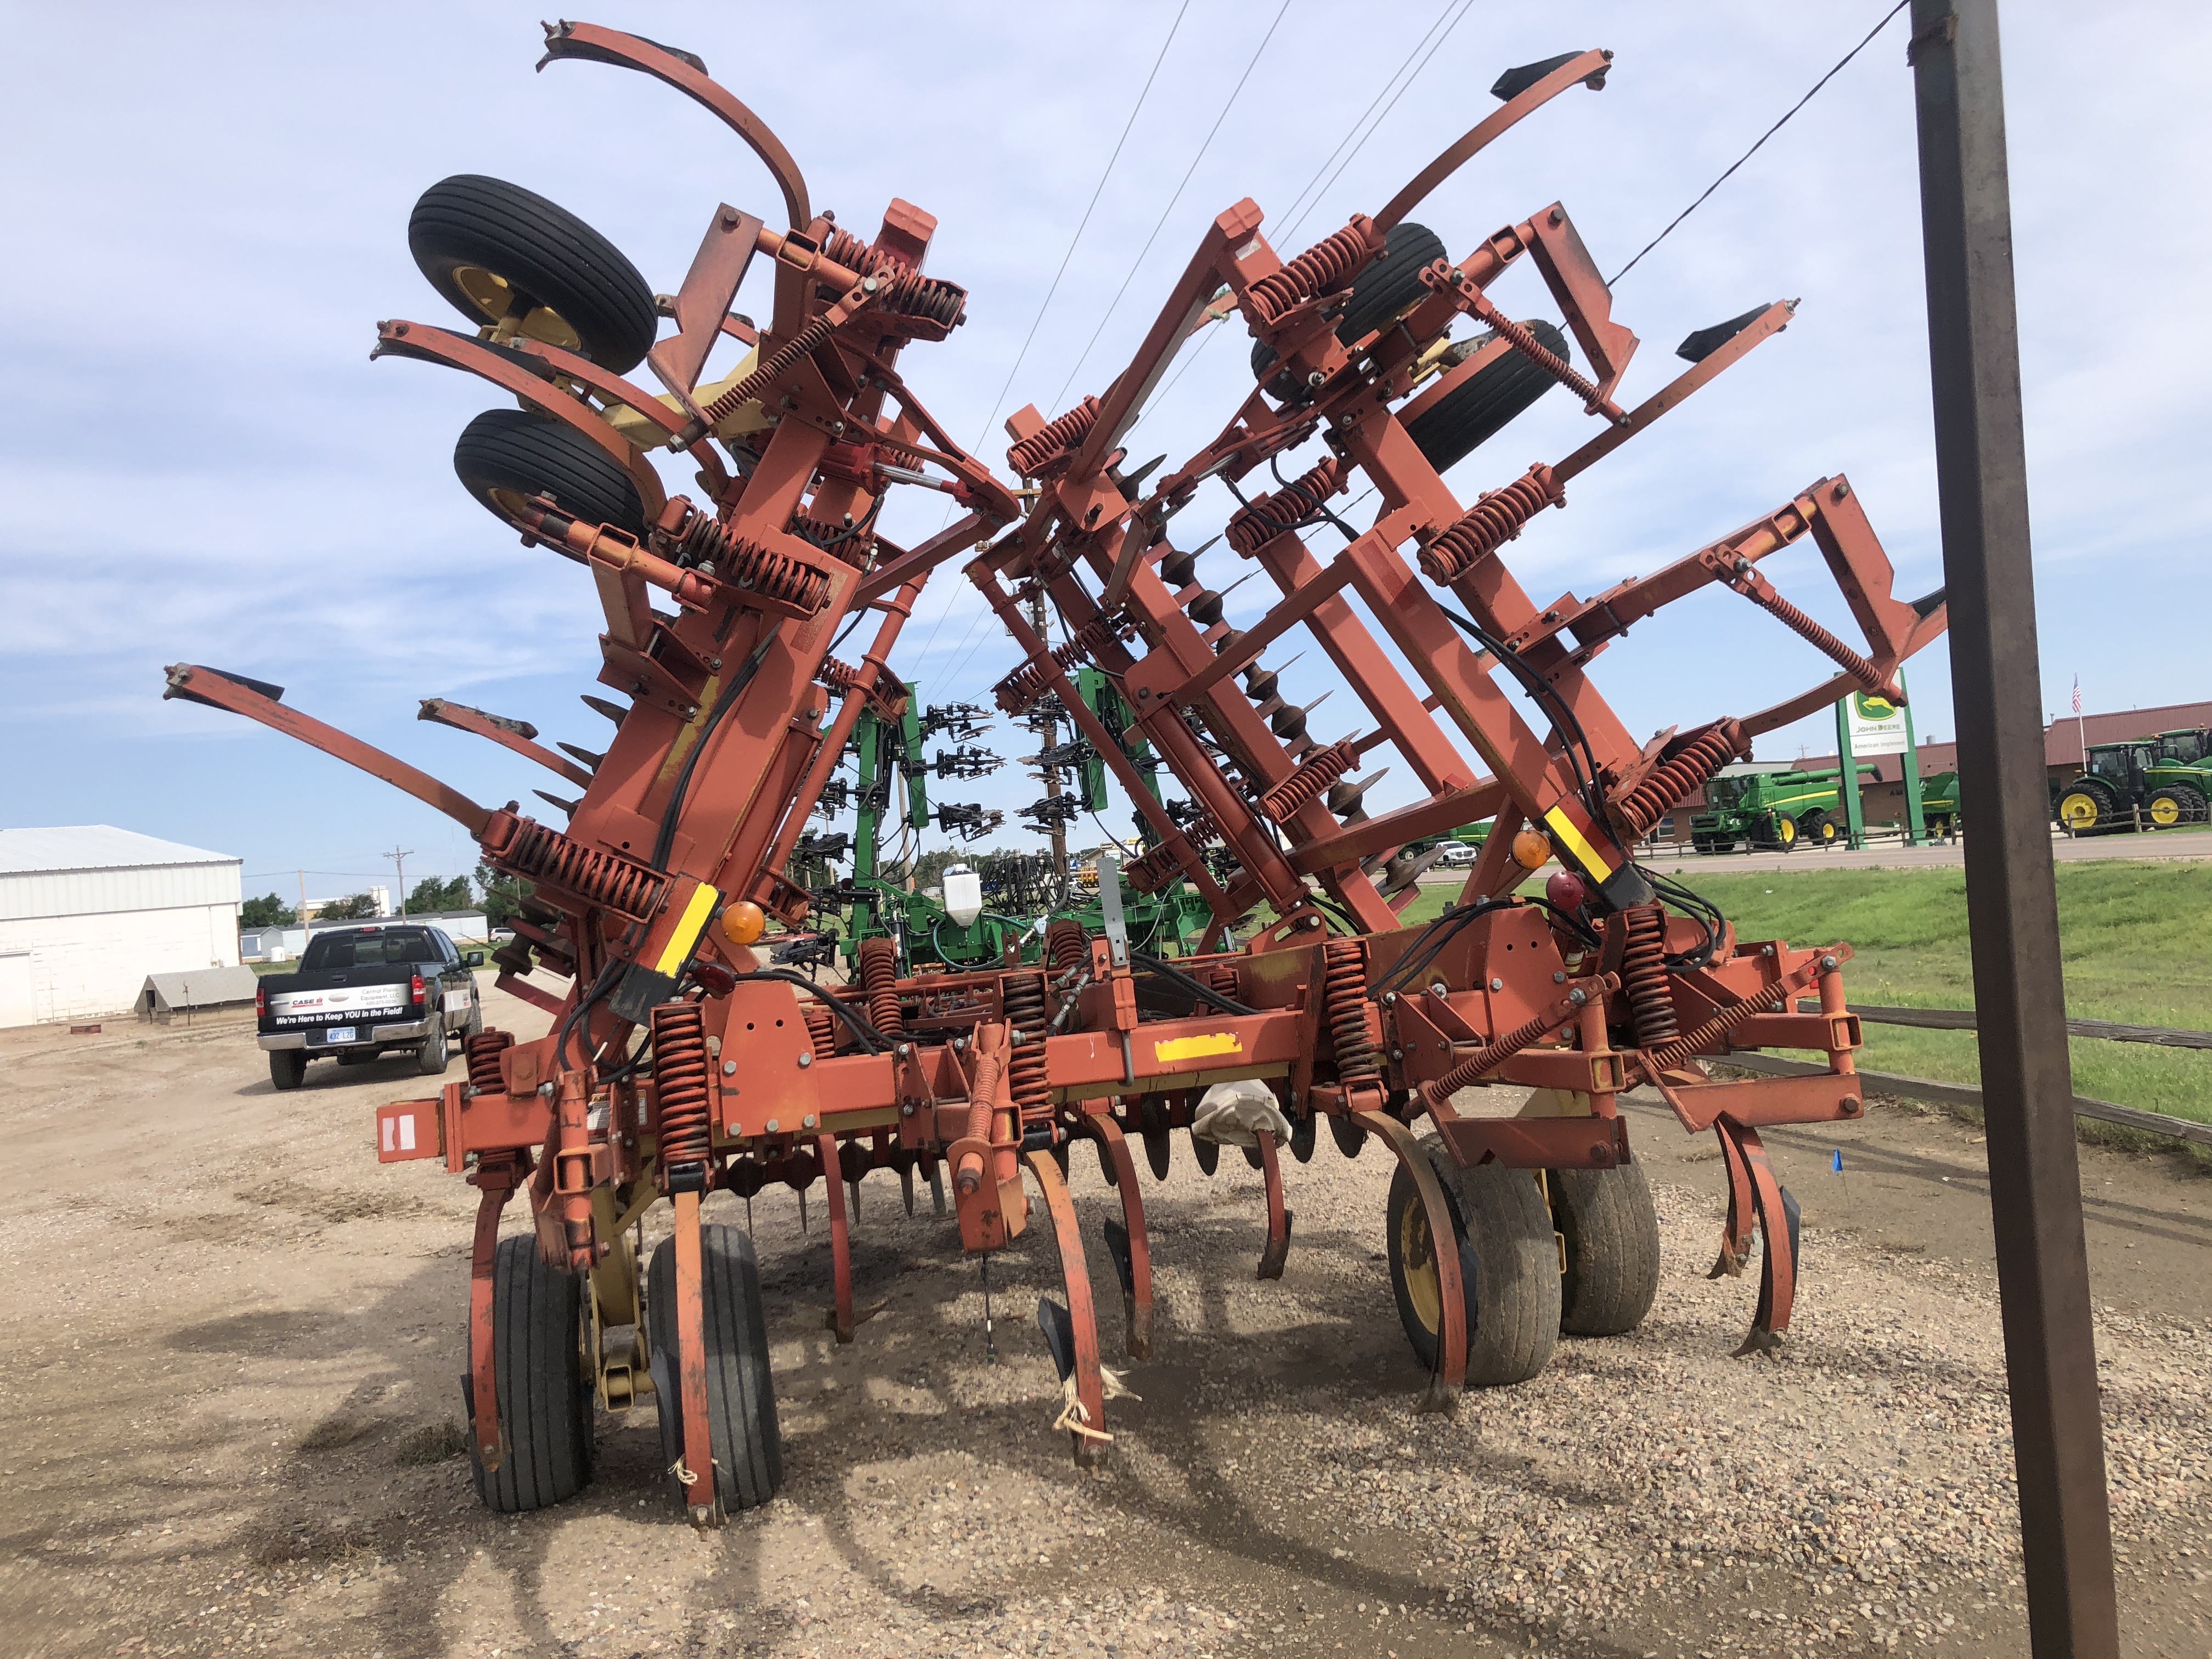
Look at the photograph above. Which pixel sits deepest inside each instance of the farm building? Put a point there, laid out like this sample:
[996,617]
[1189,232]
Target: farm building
[87,911]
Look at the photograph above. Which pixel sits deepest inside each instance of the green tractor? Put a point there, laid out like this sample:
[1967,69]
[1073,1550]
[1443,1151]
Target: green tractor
[2168,778]
[1775,809]
[1939,803]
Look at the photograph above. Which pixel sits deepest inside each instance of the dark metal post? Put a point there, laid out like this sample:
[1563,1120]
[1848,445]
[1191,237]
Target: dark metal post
[2050,1359]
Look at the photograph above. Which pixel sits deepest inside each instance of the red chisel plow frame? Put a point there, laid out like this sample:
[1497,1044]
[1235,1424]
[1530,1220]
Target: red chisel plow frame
[680,1063]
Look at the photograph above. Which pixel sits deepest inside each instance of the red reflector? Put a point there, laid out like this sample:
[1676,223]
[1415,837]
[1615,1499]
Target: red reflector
[261,999]
[416,988]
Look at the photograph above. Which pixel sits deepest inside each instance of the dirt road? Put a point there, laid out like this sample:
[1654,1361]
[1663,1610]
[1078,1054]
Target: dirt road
[235,1339]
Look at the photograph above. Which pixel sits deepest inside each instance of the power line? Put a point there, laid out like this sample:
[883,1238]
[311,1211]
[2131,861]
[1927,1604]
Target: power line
[1763,137]
[1391,81]
[1060,395]
[1028,339]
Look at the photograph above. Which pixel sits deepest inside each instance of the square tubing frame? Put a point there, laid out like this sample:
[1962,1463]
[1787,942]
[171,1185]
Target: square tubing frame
[2035,1190]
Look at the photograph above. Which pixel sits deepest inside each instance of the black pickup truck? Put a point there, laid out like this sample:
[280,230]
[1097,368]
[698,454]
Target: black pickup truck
[362,990]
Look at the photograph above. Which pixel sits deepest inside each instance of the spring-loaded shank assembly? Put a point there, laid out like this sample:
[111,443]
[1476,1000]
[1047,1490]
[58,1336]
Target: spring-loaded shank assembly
[680,1061]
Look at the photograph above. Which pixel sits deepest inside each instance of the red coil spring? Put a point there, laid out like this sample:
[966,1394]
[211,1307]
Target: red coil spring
[1439,1090]
[1252,527]
[1489,525]
[809,340]
[879,981]
[1759,1002]
[1066,946]
[1345,1001]
[482,1051]
[1027,684]
[1316,774]
[679,1076]
[1040,449]
[1022,998]
[1644,975]
[1762,594]
[838,676]
[748,566]
[1327,265]
[1156,868]
[606,880]
[821,1028]
[1704,755]
[1222,976]
[900,288]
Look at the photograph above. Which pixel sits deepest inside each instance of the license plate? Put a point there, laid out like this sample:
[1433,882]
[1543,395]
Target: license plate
[339,1034]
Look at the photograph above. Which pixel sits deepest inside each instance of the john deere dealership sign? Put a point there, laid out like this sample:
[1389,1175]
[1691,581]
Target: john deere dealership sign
[1877,725]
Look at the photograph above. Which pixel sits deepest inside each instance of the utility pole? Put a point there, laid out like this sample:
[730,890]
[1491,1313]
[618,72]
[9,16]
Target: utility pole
[302,875]
[400,857]
[1048,737]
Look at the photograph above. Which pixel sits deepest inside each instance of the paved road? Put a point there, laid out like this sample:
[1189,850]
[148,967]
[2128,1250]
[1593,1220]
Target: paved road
[2189,846]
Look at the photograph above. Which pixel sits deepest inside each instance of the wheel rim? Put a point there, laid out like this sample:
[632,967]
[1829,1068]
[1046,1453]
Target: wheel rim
[1417,1266]
[494,297]
[2166,812]
[2078,810]
[1827,831]
[1786,832]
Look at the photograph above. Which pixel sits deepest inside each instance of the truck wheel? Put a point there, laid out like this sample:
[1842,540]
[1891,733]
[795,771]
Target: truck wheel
[543,1379]
[741,1426]
[287,1067]
[1508,1267]
[505,456]
[493,249]
[1611,1233]
[1451,428]
[430,1058]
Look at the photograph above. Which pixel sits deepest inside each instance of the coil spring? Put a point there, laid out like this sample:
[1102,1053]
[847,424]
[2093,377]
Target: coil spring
[1439,1090]
[1704,755]
[773,367]
[1644,975]
[1222,976]
[1314,775]
[482,1051]
[1327,265]
[879,981]
[1037,450]
[1759,1002]
[680,1078]
[745,564]
[1067,946]
[1028,683]
[900,288]
[1762,594]
[1156,868]
[840,678]
[839,541]
[606,880]
[1023,997]
[821,1028]
[1514,334]
[1252,527]
[1345,1001]
[1489,525]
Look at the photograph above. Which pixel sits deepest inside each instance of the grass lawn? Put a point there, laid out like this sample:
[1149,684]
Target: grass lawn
[2131,941]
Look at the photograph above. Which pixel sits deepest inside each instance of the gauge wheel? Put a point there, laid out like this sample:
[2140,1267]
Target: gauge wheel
[2088,806]
[506,456]
[1508,1267]
[1392,286]
[542,1372]
[495,251]
[1470,414]
[743,1435]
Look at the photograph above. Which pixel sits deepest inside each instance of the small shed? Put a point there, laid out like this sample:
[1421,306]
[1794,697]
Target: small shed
[196,992]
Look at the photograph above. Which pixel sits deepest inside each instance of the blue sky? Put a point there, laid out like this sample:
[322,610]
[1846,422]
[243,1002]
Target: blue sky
[209,213]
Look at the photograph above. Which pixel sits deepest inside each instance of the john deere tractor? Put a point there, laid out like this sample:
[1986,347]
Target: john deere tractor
[2168,777]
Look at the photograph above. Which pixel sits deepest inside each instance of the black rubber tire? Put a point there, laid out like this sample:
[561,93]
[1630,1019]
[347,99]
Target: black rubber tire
[474,1028]
[432,1058]
[2188,806]
[1508,1267]
[545,1390]
[287,1067]
[1611,1232]
[1817,828]
[741,1423]
[542,251]
[2196,808]
[1453,428]
[1392,285]
[525,453]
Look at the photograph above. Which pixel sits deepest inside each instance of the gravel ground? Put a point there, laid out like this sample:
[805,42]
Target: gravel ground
[235,1341]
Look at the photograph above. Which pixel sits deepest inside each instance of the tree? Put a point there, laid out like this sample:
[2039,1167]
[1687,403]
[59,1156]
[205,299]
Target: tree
[431,895]
[502,894]
[269,912]
[359,908]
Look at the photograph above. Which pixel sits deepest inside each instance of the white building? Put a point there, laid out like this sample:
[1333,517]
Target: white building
[87,911]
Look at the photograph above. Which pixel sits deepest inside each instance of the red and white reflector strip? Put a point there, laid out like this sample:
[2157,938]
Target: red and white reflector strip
[409,1129]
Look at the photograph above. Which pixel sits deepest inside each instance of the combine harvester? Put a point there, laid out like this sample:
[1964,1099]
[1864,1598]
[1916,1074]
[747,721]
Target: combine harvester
[679,1062]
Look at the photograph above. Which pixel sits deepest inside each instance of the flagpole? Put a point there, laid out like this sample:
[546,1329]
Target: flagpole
[2081,731]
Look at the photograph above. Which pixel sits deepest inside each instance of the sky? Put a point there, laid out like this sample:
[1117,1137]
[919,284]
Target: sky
[208,209]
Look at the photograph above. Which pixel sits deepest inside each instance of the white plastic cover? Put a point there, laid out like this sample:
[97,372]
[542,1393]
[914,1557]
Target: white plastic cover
[963,896]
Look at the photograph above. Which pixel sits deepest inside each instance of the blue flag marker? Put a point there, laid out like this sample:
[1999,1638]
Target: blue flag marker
[1836,1160]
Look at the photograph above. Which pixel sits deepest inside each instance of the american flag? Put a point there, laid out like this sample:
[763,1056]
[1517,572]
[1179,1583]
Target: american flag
[2077,694]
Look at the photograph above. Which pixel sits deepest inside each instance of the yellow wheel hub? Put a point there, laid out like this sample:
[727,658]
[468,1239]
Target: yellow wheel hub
[1827,830]
[1417,1260]
[494,297]
[2078,810]
[2166,812]
[1786,832]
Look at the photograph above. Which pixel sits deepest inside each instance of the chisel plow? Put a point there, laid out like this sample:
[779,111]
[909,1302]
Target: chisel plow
[680,1062]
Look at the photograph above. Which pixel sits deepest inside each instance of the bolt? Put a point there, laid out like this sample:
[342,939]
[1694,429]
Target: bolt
[1578,996]
[1436,988]
[1497,984]
[1827,964]
[1389,998]
[772,1126]
[1558,217]
[806,1060]
[1311,921]
[1397,1053]
[1316,378]
[1766,950]
[691,711]
[729,1068]
[546,1089]
[903,1050]
[715,663]
[806,1122]
[868,285]
[1558,976]
[906,1108]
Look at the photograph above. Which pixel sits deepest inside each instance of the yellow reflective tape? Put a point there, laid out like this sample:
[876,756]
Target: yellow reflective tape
[1195,1047]
[688,928]
[1585,854]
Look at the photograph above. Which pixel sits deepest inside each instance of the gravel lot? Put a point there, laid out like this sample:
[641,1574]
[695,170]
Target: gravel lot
[235,1342]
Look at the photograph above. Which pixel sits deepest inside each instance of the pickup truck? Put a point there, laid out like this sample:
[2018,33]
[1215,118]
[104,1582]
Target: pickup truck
[360,991]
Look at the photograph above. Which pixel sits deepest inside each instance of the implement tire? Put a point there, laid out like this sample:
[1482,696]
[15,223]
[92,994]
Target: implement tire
[1611,1238]
[1392,286]
[543,1383]
[1508,1268]
[505,456]
[1464,419]
[741,1423]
